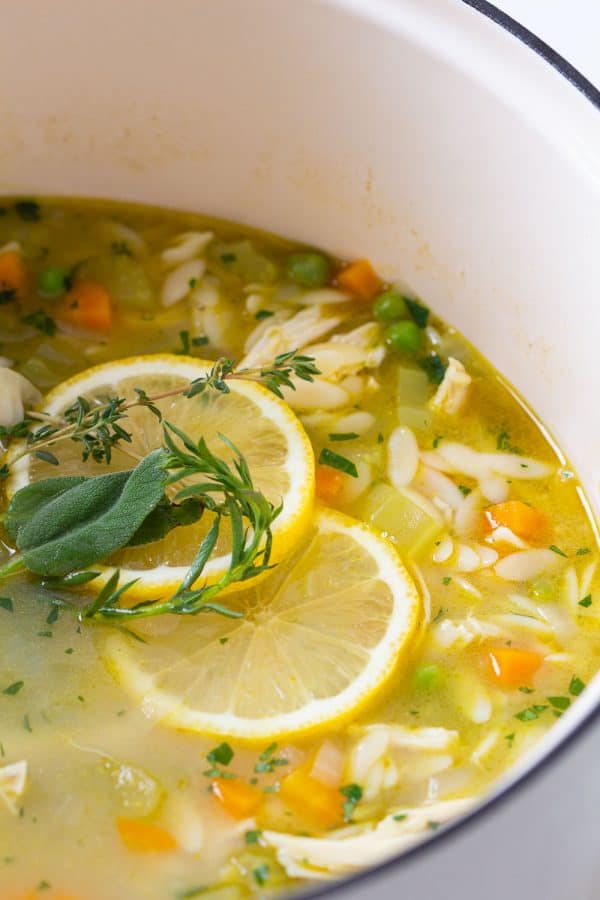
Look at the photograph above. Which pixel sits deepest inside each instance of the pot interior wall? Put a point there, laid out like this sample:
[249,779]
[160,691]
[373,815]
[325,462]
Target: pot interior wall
[315,120]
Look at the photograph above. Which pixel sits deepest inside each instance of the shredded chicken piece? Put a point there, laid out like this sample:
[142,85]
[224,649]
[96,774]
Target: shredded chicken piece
[13,781]
[307,325]
[452,393]
[348,354]
[325,858]
[15,392]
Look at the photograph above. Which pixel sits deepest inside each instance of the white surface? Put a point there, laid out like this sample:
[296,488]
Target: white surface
[417,133]
[571,27]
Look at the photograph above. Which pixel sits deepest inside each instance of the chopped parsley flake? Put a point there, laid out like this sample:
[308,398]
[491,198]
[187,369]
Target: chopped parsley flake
[13,688]
[582,551]
[343,436]
[509,738]
[435,367]
[587,601]
[221,755]
[526,690]
[557,550]
[561,703]
[419,313]
[40,320]
[261,874]
[465,491]
[576,687]
[503,442]
[264,314]
[400,817]
[531,713]
[253,837]
[353,794]
[7,604]
[446,581]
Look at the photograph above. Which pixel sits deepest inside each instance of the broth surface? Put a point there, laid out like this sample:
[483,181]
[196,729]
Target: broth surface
[456,715]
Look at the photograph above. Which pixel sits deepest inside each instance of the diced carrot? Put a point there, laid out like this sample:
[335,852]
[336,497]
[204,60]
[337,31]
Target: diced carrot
[88,306]
[13,275]
[360,278]
[319,803]
[329,482]
[143,837]
[239,799]
[523,520]
[512,667]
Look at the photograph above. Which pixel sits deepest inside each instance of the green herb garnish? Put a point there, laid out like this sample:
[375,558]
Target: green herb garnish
[418,312]
[261,874]
[576,686]
[586,601]
[531,713]
[353,794]
[263,314]
[13,688]
[503,443]
[65,524]
[7,604]
[253,837]
[343,436]
[40,320]
[434,366]
[561,703]
[334,460]
[557,550]
[221,755]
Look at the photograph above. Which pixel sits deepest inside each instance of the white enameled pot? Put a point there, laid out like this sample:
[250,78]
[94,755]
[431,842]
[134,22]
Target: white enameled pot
[419,133]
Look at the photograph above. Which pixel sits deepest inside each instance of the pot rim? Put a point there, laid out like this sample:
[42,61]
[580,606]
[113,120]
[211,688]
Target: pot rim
[538,763]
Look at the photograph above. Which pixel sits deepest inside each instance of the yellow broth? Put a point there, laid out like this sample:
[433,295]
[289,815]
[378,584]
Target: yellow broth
[94,756]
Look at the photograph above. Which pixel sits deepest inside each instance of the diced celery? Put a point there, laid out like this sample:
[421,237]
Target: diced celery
[420,419]
[400,518]
[243,260]
[125,279]
[413,387]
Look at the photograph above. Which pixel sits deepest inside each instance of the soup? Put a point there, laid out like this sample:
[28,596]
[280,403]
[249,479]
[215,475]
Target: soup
[290,575]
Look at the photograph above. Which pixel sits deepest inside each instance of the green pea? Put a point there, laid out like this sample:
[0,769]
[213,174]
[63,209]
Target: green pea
[542,590]
[404,335]
[52,281]
[309,270]
[389,306]
[428,677]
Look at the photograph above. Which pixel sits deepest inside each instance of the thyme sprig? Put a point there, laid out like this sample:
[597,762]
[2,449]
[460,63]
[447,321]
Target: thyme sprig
[229,493]
[99,428]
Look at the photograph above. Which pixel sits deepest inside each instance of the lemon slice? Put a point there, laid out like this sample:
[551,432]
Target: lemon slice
[319,638]
[262,427]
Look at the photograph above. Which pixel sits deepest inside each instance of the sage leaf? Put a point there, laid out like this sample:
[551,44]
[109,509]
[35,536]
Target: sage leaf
[28,500]
[164,518]
[81,524]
